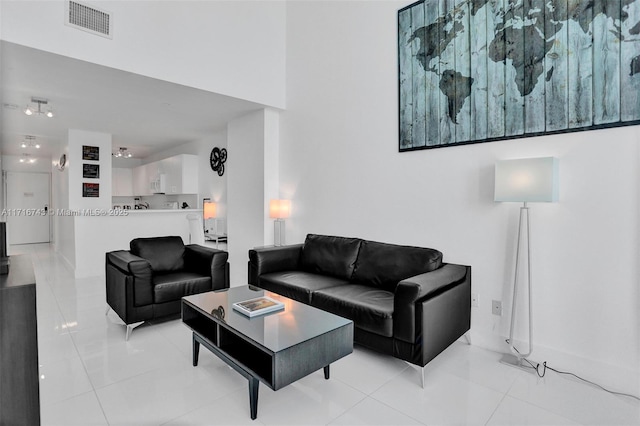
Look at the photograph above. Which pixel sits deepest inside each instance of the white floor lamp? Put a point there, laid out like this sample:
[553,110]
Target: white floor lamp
[524,180]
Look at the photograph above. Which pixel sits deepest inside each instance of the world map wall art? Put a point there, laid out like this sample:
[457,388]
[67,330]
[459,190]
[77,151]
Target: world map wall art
[475,71]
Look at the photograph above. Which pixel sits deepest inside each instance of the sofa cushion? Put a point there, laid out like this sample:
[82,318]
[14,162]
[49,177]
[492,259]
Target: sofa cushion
[173,286]
[383,265]
[370,308]
[297,285]
[326,255]
[165,254]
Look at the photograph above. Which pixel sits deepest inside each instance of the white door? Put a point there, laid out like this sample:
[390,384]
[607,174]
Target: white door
[27,207]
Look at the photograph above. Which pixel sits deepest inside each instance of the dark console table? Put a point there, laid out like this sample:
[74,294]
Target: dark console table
[19,385]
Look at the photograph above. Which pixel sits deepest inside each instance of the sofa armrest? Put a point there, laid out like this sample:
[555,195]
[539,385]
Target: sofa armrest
[273,259]
[210,262]
[421,288]
[126,263]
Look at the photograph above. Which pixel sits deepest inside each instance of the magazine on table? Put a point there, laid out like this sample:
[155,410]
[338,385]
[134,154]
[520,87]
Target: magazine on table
[258,306]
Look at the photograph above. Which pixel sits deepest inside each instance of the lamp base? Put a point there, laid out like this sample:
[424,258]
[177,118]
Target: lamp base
[519,363]
[278,232]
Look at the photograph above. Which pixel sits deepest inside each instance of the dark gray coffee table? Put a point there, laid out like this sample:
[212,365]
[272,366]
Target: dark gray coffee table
[276,348]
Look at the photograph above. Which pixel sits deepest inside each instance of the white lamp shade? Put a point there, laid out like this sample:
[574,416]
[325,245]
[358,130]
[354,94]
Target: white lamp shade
[279,209]
[527,180]
[209,210]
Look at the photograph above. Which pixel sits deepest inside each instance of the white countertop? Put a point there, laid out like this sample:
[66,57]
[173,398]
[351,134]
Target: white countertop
[136,211]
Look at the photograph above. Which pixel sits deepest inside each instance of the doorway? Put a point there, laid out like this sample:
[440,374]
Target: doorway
[27,207]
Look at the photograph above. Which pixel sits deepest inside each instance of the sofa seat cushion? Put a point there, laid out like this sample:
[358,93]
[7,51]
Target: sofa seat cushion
[169,287]
[368,307]
[298,285]
[383,265]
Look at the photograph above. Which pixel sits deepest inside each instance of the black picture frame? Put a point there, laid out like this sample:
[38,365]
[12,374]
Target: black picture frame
[90,190]
[483,71]
[90,171]
[91,153]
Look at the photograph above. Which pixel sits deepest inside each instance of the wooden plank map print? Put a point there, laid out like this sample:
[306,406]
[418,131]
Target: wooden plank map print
[480,70]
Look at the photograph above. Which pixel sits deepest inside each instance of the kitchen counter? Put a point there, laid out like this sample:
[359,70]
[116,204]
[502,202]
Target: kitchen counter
[136,211]
[115,232]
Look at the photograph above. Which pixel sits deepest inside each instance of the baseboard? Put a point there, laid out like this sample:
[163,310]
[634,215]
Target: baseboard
[66,262]
[612,377]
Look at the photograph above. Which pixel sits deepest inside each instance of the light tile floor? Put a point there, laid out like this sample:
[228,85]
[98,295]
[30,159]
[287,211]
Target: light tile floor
[91,376]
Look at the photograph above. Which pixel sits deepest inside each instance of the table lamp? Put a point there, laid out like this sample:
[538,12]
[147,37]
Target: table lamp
[524,180]
[279,210]
[209,212]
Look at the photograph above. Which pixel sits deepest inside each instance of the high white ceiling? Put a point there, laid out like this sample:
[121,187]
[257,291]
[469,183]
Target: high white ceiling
[143,114]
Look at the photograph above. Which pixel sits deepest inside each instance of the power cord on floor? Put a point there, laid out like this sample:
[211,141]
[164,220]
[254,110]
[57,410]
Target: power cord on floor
[545,367]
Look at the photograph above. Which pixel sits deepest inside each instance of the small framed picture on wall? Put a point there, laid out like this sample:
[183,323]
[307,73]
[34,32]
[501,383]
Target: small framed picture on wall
[91,171]
[91,190]
[91,153]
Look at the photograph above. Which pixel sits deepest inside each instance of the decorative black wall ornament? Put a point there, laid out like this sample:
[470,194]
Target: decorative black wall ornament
[217,159]
[475,71]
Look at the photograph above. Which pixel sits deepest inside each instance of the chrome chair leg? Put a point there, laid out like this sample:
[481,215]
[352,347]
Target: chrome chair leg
[422,371]
[130,328]
[108,309]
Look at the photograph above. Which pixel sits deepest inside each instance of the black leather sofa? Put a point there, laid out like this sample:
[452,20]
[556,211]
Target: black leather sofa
[403,300]
[149,280]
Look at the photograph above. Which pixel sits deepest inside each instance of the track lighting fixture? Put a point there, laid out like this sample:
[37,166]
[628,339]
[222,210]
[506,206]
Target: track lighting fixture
[35,107]
[29,142]
[122,153]
[27,158]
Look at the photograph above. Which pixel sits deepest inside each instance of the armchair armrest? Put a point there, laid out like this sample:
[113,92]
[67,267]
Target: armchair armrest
[273,259]
[210,262]
[420,288]
[126,263]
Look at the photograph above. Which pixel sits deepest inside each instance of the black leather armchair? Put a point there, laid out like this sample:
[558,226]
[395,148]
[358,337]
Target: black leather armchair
[149,280]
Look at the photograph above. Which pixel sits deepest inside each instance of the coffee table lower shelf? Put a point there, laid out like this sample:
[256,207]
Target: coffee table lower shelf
[247,373]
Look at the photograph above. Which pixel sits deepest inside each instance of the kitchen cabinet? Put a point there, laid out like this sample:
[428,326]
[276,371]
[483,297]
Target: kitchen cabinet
[122,182]
[180,175]
[141,181]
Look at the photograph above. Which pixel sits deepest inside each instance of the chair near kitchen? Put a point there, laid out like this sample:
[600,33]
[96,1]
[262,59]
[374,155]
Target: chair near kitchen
[209,212]
[196,234]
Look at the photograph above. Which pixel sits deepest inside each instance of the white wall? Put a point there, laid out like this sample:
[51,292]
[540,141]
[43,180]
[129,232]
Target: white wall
[250,185]
[63,229]
[234,48]
[76,140]
[271,162]
[341,166]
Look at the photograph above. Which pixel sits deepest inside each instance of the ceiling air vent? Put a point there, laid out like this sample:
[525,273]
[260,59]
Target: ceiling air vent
[89,18]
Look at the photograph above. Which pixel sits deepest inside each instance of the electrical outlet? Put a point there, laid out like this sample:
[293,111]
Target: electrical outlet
[475,300]
[496,307]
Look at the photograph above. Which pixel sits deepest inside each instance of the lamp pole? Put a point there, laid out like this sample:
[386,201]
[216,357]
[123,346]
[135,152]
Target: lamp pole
[516,358]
